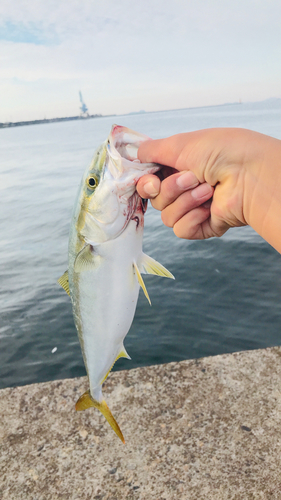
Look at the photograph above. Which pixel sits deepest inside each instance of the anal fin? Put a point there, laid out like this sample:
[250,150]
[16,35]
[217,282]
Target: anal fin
[122,354]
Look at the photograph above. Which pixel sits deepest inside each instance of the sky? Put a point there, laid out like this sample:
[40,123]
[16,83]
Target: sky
[127,55]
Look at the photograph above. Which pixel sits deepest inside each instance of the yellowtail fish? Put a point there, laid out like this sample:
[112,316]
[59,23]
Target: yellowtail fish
[106,259]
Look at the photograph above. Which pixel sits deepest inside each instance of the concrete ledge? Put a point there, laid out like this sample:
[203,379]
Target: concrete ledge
[200,429]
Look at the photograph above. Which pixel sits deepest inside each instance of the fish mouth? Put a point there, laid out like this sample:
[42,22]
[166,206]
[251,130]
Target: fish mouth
[123,144]
[124,165]
[126,142]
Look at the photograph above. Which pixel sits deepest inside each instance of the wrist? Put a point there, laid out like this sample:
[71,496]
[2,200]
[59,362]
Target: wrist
[262,189]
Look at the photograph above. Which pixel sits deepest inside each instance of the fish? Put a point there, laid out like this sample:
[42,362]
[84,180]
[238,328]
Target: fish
[106,261]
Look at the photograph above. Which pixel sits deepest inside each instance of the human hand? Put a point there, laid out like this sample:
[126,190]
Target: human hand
[182,200]
[230,166]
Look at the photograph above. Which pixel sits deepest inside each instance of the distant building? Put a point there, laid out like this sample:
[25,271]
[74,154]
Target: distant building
[83,108]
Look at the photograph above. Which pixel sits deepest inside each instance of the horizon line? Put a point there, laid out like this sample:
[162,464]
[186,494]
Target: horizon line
[38,121]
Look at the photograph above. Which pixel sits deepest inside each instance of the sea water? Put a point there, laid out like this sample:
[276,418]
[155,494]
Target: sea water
[226,296]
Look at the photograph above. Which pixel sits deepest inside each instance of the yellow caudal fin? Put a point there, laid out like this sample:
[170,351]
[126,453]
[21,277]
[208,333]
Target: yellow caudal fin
[86,401]
[141,282]
[63,281]
[151,266]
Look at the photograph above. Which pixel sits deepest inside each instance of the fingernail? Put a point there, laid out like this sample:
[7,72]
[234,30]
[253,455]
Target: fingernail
[150,189]
[187,180]
[202,191]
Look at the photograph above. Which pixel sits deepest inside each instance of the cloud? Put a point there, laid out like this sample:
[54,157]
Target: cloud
[130,55]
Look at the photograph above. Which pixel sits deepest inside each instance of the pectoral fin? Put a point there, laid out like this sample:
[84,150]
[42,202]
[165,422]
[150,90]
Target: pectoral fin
[84,260]
[141,282]
[151,266]
[63,281]
[86,401]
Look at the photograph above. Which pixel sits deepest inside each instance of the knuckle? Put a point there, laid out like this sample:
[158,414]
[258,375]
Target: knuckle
[166,219]
[181,229]
[181,232]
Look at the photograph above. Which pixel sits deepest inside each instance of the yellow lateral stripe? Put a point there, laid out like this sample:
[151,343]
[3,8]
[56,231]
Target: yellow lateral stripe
[63,281]
[86,401]
[141,282]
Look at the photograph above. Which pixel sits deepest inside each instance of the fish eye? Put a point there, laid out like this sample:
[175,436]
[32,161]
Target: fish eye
[92,182]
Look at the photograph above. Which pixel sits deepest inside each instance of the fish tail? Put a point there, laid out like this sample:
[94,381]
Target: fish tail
[86,401]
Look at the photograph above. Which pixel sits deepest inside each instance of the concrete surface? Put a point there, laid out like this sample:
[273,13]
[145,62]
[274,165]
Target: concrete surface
[199,429]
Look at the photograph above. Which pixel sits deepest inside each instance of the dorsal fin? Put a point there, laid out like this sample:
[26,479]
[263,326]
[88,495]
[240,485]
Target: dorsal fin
[141,282]
[63,281]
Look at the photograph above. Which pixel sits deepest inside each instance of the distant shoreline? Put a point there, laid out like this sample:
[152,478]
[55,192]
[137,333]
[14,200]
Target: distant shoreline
[47,120]
[72,118]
